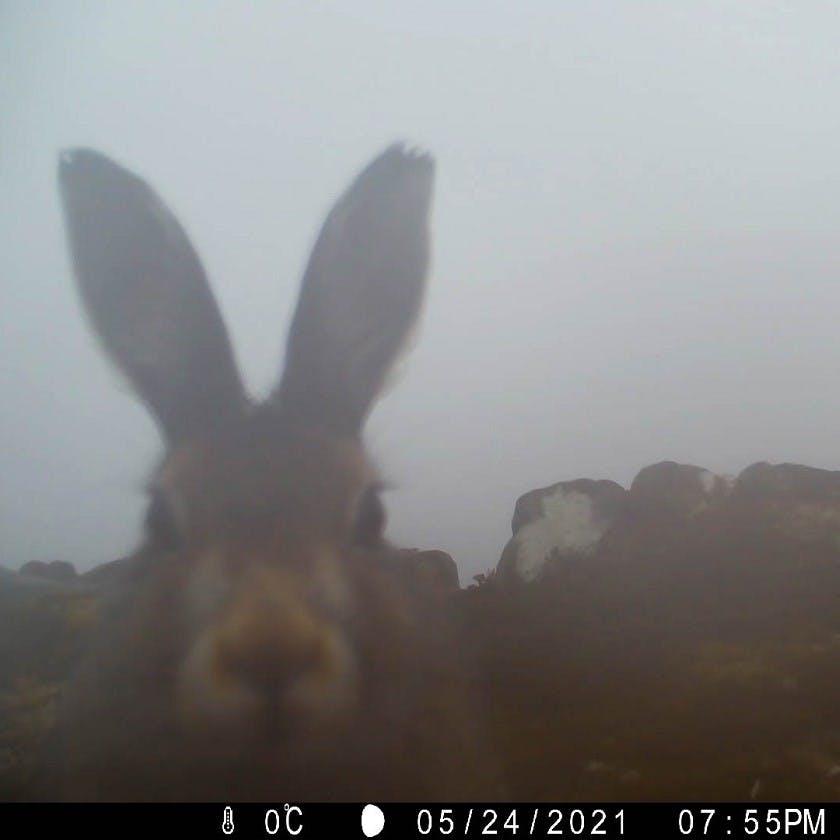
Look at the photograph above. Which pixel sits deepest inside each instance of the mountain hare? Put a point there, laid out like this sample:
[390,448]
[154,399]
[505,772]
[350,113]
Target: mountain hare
[265,647]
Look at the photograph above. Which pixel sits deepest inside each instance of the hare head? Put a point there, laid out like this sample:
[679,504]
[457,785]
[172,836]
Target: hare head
[265,647]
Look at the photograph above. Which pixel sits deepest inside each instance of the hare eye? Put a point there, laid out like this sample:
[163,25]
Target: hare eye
[370,520]
[161,527]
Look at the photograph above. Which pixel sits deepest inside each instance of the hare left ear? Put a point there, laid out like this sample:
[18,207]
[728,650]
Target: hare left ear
[361,293]
[147,296]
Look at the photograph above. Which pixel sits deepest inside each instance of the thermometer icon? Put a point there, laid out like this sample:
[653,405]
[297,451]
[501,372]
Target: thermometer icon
[227,823]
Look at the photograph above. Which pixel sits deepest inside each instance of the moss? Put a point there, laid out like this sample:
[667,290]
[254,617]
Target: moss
[81,612]
[27,714]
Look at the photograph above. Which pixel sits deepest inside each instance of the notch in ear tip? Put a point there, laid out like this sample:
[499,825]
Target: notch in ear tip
[410,152]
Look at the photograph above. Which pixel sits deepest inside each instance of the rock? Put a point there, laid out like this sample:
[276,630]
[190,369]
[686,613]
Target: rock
[431,570]
[790,501]
[672,490]
[559,523]
[56,570]
[788,482]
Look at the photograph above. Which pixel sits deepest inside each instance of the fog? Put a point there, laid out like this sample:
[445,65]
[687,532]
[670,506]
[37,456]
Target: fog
[634,231]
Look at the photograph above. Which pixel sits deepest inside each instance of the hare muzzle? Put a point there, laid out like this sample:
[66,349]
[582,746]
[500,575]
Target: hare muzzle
[275,653]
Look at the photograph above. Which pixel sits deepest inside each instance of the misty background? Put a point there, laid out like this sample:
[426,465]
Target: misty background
[635,234]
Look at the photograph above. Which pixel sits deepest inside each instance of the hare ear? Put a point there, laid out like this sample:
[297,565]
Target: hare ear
[361,293]
[147,296]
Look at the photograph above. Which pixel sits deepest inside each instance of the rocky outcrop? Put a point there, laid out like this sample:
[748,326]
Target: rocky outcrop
[573,521]
[688,649]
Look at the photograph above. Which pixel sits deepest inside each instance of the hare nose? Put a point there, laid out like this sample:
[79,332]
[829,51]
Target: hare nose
[270,638]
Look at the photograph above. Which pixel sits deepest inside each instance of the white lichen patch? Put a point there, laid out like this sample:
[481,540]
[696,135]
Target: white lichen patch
[713,484]
[569,525]
[708,481]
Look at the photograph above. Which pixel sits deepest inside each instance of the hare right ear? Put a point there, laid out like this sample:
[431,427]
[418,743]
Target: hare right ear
[147,296]
[361,293]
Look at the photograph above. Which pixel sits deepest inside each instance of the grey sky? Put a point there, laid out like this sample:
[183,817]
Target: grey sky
[635,237]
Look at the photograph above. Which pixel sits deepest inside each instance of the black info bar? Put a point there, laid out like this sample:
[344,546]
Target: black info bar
[406,820]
